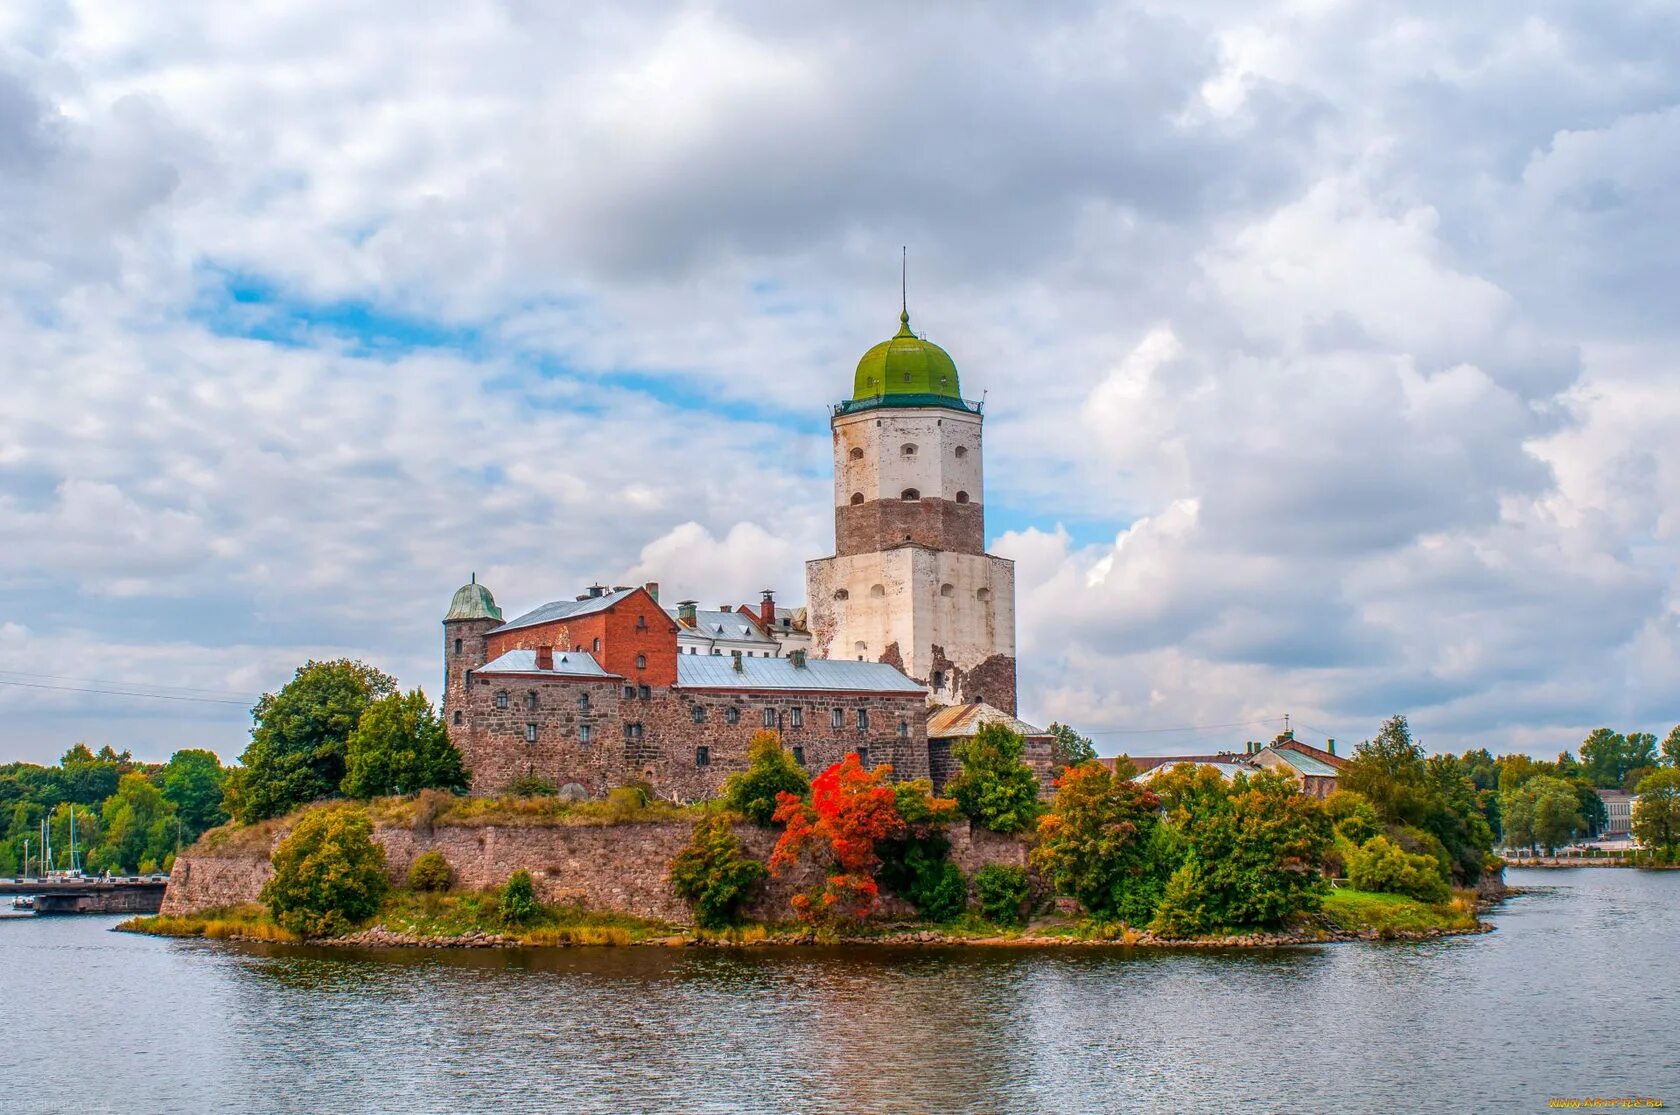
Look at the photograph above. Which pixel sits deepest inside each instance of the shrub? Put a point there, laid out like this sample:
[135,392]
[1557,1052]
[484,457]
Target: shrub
[851,811]
[430,871]
[770,771]
[519,899]
[995,787]
[328,874]
[714,874]
[1097,842]
[1002,890]
[1353,817]
[1381,865]
[624,803]
[532,786]
[918,870]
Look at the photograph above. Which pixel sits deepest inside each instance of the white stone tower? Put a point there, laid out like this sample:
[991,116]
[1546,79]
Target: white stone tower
[910,582]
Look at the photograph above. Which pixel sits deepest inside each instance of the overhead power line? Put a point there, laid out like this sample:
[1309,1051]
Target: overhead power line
[128,693]
[149,686]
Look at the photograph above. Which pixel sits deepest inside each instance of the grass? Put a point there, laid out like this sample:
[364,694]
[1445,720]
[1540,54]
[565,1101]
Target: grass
[249,922]
[462,913]
[1391,914]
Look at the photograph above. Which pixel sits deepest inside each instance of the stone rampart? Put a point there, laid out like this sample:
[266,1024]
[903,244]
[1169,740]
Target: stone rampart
[600,867]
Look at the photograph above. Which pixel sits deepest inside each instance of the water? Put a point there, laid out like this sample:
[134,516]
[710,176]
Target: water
[1577,994]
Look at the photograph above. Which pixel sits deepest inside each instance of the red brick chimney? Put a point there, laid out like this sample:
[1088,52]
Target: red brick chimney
[767,610]
[545,658]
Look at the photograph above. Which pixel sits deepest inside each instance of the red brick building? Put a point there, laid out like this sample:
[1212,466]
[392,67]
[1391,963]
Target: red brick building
[590,693]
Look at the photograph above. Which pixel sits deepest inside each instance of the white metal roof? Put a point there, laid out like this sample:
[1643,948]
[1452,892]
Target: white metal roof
[708,671]
[574,663]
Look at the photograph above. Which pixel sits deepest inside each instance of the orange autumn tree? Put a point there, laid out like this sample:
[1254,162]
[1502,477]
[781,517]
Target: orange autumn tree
[851,809]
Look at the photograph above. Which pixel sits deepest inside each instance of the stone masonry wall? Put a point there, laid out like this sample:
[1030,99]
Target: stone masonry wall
[610,867]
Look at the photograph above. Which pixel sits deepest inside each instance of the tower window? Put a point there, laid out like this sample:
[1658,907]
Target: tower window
[457,646]
[982,594]
[908,449]
[857,498]
[909,495]
[457,716]
[961,451]
[962,497]
[947,589]
[842,594]
[877,590]
[937,681]
[856,454]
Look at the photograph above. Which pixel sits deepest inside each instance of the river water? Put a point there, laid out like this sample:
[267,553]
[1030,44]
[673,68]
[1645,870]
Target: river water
[1577,994]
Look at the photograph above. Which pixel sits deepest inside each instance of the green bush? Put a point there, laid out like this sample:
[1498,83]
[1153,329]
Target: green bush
[714,874]
[1383,866]
[532,786]
[1352,816]
[770,771]
[996,788]
[328,874]
[519,899]
[940,892]
[430,871]
[1002,890]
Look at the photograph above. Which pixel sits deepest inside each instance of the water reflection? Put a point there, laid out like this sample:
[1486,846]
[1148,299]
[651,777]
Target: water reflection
[1575,995]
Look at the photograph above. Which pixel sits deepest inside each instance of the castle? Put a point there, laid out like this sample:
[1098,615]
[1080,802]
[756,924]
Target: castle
[907,643]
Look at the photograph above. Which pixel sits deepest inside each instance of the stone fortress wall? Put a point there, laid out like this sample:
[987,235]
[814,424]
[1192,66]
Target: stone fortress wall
[618,868]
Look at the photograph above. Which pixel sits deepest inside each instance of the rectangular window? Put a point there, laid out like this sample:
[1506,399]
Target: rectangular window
[629,692]
[583,700]
[636,731]
[645,692]
[904,729]
[530,700]
[702,756]
[698,713]
[769,718]
[530,733]
[863,720]
[863,757]
[796,717]
[837,718]
[583,733]
[799,755]
[502,699]
[732,715]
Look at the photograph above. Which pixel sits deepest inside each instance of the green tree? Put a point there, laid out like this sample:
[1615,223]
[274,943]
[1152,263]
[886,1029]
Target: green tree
[1068,748]
[88,779]
[400,745]
[139,824]
[770,771]
[1671,748]
[297,751]
[1435,795]
[1380,865]
[192,783]
[1096,843]
[995,787]
[714,874]
[1254,858]
[1656,814]
[1352,816]
[329,874]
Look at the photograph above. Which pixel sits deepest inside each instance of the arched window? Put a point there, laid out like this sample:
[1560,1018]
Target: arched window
[982,594]
[861,647]
[857,498]
[641,662]
[910,495]
[856,454]
[842,594]
[457,646]
[908,449]
[877,590]
[962,497]
[947,589]
[595,645]
[961,452]
[530,700]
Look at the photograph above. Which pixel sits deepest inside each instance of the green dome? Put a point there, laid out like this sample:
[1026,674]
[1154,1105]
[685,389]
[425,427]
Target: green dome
[906,365]
[473,601]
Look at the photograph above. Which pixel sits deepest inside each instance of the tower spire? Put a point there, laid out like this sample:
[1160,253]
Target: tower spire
[903,290]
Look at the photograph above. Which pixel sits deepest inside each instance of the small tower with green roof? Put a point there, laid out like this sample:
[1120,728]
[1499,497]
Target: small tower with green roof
[910,581]
[472,614]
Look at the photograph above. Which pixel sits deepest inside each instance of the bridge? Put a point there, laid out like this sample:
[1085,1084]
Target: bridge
[90,896]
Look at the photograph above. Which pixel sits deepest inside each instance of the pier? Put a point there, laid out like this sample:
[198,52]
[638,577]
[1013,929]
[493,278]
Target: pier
[89,896]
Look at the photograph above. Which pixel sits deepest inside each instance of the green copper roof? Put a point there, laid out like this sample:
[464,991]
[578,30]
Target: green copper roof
[473,601]
[905,365]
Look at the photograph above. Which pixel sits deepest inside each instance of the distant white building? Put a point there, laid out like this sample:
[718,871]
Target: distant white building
[767,632]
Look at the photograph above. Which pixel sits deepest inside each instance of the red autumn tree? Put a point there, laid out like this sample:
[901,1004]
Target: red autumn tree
[851,809]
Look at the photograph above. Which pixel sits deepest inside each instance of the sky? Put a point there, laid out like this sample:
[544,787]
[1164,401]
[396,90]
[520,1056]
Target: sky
[1328,348]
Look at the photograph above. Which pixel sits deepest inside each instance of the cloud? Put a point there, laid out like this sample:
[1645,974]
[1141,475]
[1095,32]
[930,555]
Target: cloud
[1327,352]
